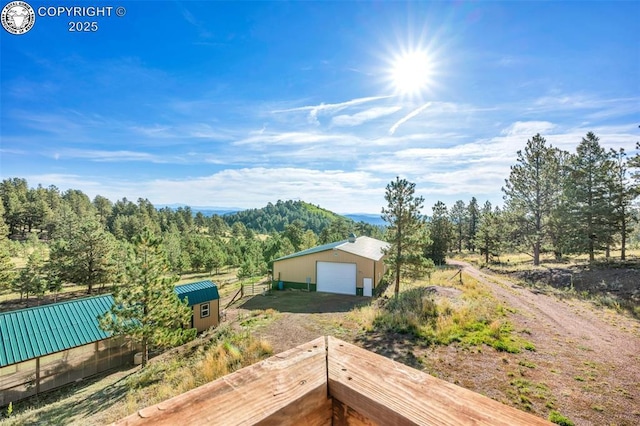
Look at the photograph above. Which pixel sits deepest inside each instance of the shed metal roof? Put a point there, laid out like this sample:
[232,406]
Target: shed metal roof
[317,249]
[42,330]
[366,247]
[33,332]
[199,292]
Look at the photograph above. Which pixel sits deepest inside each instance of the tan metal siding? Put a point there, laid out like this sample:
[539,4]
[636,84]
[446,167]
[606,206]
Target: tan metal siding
[298,269]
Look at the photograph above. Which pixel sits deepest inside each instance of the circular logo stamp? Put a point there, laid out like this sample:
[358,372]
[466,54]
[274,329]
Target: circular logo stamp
[18,17]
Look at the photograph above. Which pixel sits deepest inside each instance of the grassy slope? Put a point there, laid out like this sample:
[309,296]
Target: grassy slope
[107,398]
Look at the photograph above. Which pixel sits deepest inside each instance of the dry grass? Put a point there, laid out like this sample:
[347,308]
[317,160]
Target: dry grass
[173,373]
[472,318]
[512,262]
[228,351]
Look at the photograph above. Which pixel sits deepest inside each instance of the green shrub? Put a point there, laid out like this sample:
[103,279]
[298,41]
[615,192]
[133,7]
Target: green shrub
[559,419]
[408,313]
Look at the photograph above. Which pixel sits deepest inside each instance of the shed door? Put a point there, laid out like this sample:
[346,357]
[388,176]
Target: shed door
[336,277]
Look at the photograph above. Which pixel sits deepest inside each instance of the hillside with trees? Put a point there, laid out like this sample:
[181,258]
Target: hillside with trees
[275,217]
[63,238]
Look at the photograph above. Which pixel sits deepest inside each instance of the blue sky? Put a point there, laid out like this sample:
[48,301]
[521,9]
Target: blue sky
[237,104]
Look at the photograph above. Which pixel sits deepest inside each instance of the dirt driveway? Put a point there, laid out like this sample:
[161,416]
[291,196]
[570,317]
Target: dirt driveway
[303,316]
[588,357]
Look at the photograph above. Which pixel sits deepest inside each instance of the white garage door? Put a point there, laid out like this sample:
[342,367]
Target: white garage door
[337,277]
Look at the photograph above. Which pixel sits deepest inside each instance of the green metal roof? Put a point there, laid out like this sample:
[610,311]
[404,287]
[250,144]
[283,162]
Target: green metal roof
[199,292]
[42,330]
[33,332]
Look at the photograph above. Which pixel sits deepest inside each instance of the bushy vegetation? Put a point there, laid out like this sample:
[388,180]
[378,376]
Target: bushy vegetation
[468,315]
[174,374]
[559,419]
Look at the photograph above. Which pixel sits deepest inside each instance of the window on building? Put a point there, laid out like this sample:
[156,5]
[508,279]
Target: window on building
[204,310]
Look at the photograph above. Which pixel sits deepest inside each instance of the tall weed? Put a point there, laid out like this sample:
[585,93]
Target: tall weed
[474,317]
[226,352]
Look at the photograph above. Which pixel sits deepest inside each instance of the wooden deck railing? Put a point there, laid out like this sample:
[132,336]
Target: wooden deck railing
[330,382]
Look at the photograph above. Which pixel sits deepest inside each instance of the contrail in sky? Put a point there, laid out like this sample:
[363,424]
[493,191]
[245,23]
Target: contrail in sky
[408,117]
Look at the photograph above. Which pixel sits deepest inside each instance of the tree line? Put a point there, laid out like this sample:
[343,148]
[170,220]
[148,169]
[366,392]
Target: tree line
[66,237]
[554,201]
[566,203]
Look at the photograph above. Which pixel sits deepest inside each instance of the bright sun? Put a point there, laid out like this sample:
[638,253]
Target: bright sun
[411,72]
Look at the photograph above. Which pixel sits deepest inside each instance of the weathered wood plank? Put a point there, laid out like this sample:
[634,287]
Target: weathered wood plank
[313,409]
[343,415]
[390,393]
[279,390]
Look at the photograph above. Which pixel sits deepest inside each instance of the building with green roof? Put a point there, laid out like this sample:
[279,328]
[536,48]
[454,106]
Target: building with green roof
[353,266]
[204,299]
[44,347]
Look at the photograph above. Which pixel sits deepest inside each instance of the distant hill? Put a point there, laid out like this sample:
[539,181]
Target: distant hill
[372,219]
[205,210]
[275,217]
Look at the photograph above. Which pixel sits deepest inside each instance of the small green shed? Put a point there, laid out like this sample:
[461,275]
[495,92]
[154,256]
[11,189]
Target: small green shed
[45,347]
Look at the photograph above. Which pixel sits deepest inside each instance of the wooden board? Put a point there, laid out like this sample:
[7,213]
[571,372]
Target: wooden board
[343,415]
[282,390]
[326,382]
[386,392]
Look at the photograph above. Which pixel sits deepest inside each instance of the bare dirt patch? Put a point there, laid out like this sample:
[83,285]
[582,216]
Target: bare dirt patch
[303,316]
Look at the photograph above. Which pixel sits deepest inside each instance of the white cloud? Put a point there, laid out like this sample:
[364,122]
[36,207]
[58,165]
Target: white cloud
[337,190]
[108,156]
[263,138]
[528,128]
[315,110]
[182,131]
[363,116]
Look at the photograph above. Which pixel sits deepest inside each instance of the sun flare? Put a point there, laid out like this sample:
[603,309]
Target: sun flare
[411,72]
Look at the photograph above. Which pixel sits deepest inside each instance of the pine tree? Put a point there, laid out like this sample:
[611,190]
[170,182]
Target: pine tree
[295,233]
[489,236]
[532,190]
[85,256]
[338,230]
[587,195]
[560,220]
[474,219]
[406,231]
[622,195]
[31,279]
[146,308]
[6,265]
[459,218]
[440,231]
